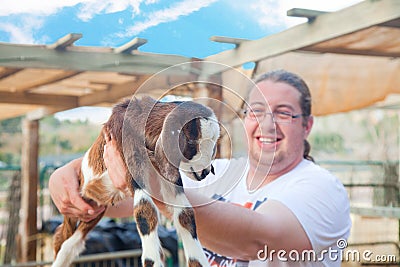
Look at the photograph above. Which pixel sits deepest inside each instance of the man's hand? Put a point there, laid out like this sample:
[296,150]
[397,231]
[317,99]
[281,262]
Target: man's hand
[114,163]
[64,190]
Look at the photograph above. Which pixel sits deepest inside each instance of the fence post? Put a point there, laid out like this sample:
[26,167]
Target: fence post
[29,187]
[14,204]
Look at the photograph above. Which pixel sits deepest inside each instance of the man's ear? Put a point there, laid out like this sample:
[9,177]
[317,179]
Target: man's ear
[308,126]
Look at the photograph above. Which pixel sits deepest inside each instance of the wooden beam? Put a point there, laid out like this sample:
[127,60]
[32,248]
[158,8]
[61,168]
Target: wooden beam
[38,99]
[345,51]
[73,58]
[40,113]
[228,40]
[130,46]
[115,92]
[304,13]
[325,27]
[27,79]
[65,41]
[29,186]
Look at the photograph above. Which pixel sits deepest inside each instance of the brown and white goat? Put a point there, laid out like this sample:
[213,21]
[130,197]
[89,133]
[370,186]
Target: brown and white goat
[150,135]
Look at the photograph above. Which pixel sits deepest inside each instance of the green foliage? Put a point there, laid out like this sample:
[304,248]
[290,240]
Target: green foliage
[66,137]
[56,138]
[327,142]
[8,158]
[12,125]
[51,121]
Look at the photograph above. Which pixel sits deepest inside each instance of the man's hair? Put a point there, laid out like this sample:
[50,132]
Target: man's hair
[297,82]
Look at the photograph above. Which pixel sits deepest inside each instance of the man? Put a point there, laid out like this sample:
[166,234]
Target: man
[283,211]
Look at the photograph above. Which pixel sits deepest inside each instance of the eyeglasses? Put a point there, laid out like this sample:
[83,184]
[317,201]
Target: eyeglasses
[281,117]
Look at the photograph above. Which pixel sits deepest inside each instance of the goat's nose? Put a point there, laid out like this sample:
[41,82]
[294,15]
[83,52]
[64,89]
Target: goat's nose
[204,173]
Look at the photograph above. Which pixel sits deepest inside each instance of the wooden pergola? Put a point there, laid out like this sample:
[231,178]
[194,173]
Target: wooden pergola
[350,59]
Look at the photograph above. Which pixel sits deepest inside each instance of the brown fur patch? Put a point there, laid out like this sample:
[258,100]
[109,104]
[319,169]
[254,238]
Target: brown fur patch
[194,263]
[186,219]
[86,227]
[146,217]
[97,191]
[96,162]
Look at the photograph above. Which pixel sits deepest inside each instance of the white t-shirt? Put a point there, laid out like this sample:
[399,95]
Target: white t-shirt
[316,197]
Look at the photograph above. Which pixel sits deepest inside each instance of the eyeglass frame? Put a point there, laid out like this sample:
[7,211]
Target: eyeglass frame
[289,115]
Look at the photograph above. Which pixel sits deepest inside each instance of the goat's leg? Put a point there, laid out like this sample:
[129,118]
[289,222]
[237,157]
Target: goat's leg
[75,244]
[63,232]
[185,224]
[146,215]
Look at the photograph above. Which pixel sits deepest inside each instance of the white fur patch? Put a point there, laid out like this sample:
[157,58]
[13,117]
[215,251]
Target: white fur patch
[87,172]
[70,249]
[141,194]
[151,248]
[209,135]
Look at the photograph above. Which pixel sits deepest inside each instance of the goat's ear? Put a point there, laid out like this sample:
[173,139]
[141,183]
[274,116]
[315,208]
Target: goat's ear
[106,133]
[169,142]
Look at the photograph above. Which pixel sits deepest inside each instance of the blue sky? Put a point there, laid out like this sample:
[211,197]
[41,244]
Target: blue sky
[180,27]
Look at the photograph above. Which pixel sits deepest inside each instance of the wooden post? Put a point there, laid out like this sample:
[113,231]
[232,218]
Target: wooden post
[29,186]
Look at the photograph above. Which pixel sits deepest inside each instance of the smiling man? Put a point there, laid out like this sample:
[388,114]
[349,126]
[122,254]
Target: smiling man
[282,204]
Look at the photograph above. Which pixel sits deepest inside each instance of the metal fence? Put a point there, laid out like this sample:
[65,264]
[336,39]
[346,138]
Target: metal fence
[128,258]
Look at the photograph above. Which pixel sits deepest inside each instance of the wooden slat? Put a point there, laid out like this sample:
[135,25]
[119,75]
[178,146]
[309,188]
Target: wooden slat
[228,40]
[304,13]
[65,41]
[5,72]
[38,99]
[12,110]
[373,41]
[344,51]
[115,92]
[130,46]
[30,78]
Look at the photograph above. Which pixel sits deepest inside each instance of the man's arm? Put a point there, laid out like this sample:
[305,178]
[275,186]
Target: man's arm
[238,232]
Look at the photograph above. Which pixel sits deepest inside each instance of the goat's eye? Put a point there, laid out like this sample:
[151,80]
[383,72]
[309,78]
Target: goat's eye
[192,142]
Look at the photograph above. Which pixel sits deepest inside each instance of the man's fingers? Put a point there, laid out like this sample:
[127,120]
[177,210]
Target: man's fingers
[81,205]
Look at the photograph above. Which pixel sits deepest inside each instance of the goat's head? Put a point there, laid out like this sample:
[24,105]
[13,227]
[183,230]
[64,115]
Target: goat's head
[199,147]
[193,129]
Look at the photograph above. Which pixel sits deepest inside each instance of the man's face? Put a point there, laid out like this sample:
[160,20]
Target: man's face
[278,142]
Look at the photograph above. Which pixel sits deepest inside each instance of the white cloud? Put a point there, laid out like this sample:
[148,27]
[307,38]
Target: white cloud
[30,14]
[169,14]
[93,7]
[272,13]
[23,33]
[32,7]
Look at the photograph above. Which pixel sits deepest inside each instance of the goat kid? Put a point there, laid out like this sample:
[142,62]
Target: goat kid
[165,137]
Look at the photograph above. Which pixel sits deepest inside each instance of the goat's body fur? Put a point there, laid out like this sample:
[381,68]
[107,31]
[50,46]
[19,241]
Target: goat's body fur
[150,136]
